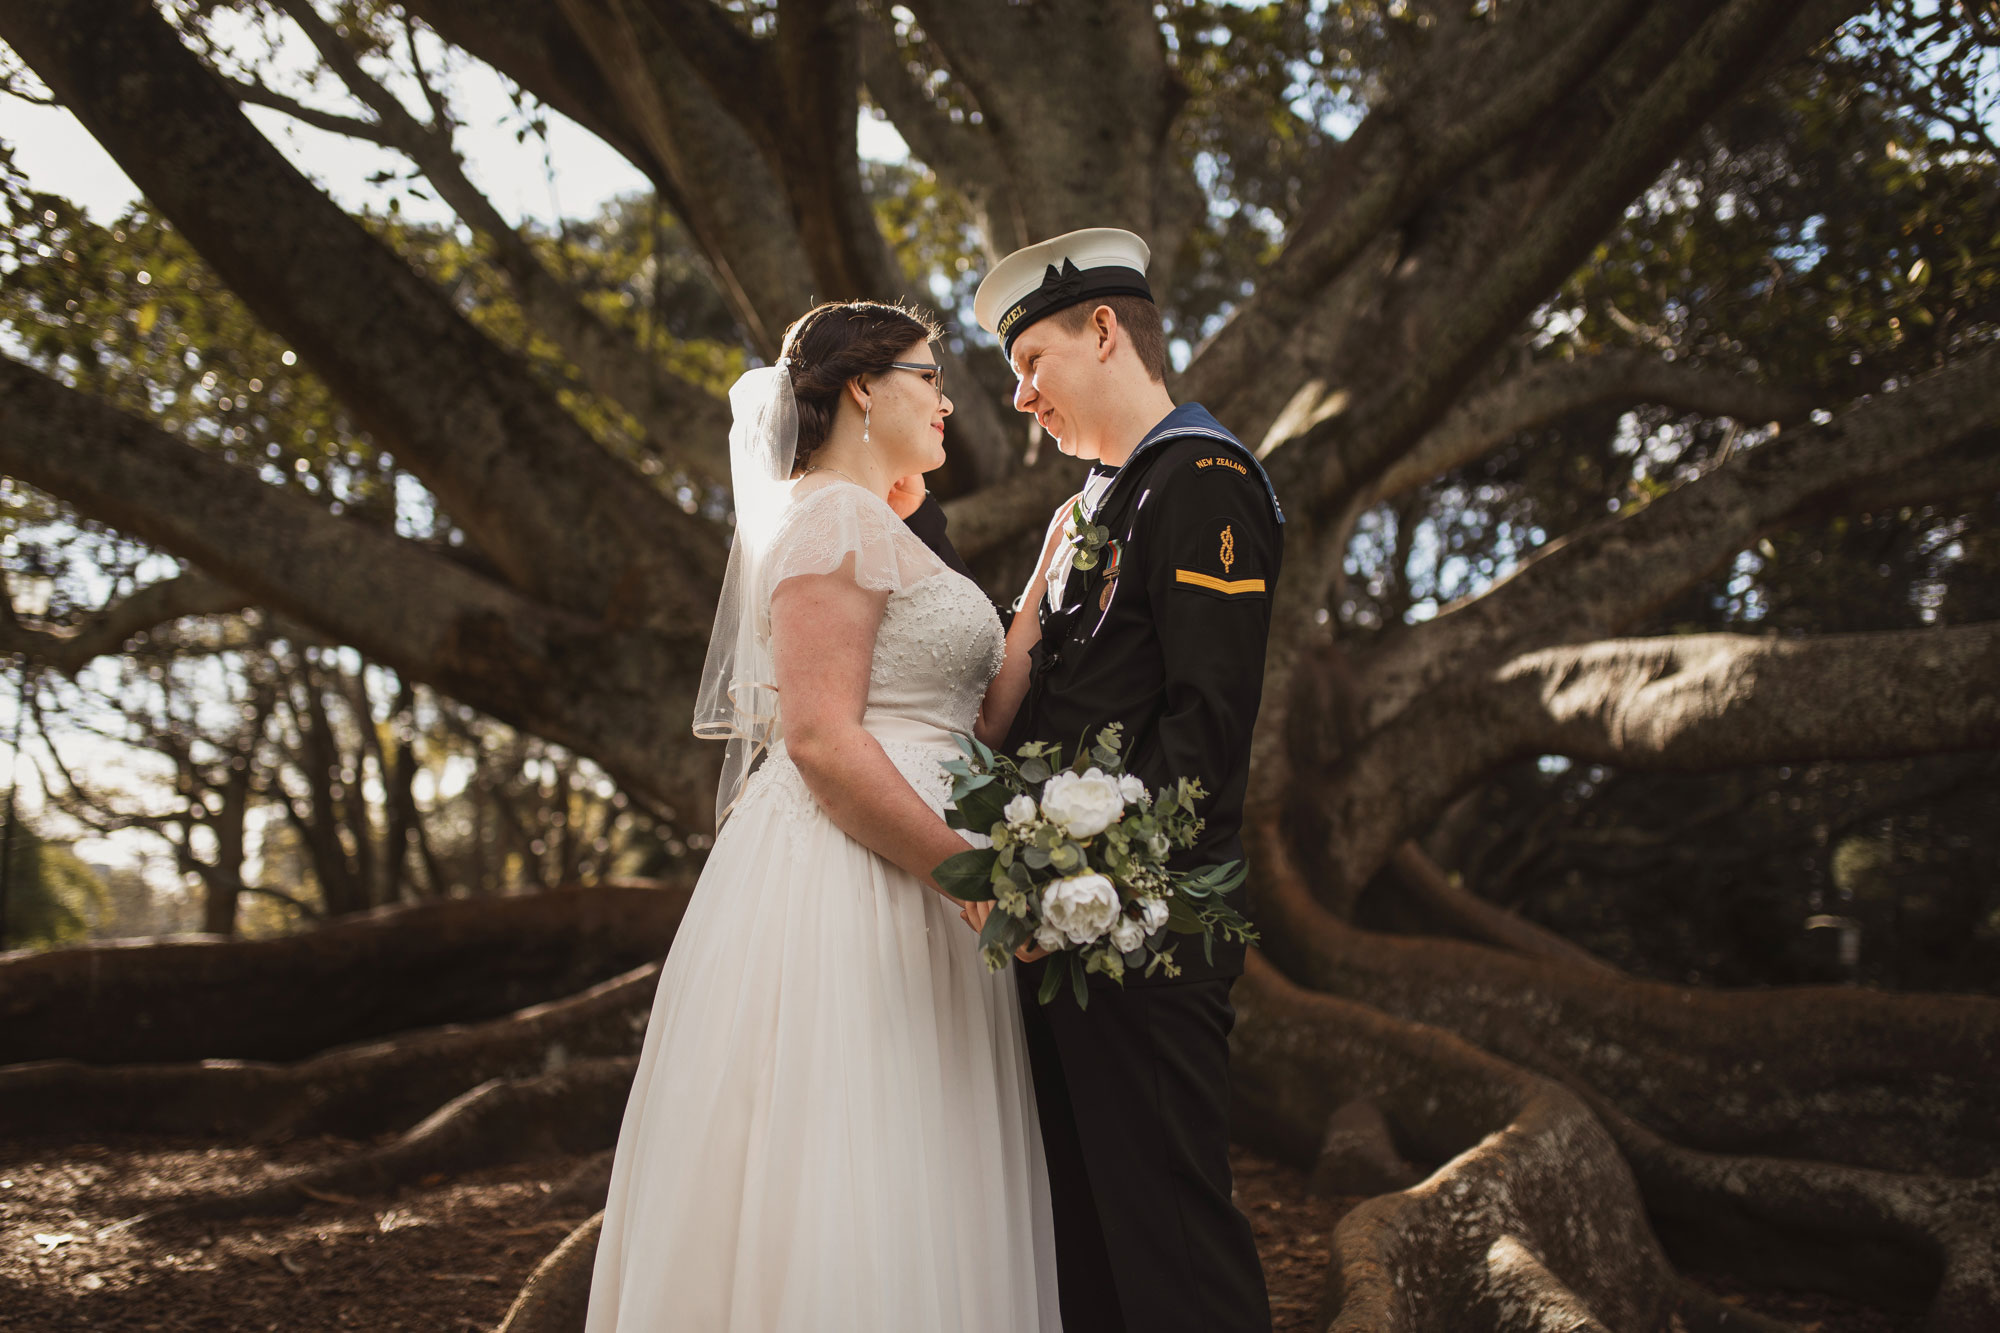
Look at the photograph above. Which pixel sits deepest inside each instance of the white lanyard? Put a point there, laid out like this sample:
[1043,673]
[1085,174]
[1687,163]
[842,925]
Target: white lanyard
[1094,487]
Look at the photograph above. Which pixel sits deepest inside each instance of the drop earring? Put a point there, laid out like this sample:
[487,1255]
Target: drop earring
[864,422]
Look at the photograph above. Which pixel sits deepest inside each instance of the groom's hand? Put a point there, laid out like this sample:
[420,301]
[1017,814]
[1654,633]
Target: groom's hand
[1031,953]
[907,494]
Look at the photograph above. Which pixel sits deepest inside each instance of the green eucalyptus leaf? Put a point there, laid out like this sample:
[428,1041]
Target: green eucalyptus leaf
[984,806]
[1182,919]
[968,876]
[1052,978]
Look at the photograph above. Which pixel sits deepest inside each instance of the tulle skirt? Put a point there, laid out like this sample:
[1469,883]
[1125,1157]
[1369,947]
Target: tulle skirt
[833,1123]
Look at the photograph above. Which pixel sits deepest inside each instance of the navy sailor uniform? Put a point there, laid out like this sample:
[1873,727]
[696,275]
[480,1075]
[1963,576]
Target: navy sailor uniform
[1133,1093]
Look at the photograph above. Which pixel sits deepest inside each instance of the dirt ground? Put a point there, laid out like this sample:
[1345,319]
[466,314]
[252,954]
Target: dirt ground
[445,1257]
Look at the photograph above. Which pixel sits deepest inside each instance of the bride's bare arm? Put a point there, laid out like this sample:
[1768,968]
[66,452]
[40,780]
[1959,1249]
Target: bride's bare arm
[1010,687]
[822,639]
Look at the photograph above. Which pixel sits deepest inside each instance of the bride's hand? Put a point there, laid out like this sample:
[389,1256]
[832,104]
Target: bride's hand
[907,494]
[975,914]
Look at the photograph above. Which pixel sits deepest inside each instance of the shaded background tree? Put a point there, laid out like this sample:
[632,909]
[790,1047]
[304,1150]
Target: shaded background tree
[1627,374]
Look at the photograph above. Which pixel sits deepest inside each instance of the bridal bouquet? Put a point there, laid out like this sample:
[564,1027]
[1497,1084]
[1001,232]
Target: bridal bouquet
[1074,859]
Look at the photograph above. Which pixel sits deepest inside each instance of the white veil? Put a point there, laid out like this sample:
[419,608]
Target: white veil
[738,699]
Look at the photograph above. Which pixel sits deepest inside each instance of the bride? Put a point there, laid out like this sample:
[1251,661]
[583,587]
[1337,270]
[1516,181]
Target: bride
[833,1124]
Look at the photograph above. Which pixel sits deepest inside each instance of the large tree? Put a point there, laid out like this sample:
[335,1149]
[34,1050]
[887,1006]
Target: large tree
[1401,242]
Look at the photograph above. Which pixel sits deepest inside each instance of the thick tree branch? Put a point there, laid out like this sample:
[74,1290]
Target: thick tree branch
[1966,474]
[1462,327]
[622,696]
[578,57]
[1122,170]
[1603,578]
[533,44]
[69,649]
[1404,153]
[987,519]
[1551,391]
[388,596]
[1696,702]
[719,182]
[548,505]
[1447,902]
[961,152]
[679,418]
[1708,701]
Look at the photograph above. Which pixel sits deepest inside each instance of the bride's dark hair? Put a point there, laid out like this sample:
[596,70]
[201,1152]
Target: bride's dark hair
[830,344]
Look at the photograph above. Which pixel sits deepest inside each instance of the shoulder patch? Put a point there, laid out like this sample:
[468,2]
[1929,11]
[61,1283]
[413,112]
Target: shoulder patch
[1222,460]
[1214,556]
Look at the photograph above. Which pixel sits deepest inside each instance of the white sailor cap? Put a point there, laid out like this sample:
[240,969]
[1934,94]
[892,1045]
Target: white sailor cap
[1053,275]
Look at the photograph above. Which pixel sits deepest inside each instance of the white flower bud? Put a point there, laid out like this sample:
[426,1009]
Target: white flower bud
[1153,914]
[1127,935]
[1020,810]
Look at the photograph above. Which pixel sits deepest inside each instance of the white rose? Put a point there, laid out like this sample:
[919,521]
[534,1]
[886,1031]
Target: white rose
[1153,914]
[1020,810]
[1127,935]
[1084,804]
[1131,789]
[1081,906]
[1049,937]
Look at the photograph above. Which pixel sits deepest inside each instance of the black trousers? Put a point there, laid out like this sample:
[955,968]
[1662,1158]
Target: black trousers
[1134,1101]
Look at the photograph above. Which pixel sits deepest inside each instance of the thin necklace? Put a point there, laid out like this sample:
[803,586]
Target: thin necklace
[821,467]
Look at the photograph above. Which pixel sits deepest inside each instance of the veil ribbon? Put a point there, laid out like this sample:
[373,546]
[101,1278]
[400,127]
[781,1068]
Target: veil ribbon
[738,699]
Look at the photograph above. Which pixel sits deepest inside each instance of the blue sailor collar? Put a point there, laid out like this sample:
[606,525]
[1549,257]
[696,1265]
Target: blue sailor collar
[1192,419]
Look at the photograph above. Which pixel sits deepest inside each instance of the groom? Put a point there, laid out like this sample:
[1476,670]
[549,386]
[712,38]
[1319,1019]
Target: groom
[1165,633]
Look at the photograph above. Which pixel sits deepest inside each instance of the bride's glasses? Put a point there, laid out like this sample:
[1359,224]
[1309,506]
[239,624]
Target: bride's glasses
[930,370]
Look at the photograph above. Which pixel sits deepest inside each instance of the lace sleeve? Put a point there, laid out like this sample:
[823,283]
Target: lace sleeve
[826,528]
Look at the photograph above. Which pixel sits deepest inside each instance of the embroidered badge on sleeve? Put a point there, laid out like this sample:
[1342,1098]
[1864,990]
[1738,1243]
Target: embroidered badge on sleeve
[1213,561]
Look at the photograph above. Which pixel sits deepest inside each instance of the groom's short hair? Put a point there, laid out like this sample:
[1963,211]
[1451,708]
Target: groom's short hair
[1138,318]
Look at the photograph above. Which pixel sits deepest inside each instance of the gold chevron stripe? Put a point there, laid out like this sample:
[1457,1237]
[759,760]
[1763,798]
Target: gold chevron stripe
[1220,585]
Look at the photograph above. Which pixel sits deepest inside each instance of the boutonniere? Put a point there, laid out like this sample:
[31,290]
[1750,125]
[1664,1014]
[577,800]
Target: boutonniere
[1090,542]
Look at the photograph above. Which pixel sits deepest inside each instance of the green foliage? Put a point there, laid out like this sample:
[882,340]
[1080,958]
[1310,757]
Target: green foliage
[52,896]
[131,314]
[1038,854]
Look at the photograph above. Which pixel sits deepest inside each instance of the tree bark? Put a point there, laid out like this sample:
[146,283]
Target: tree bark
[144,1002]
[1888,1082]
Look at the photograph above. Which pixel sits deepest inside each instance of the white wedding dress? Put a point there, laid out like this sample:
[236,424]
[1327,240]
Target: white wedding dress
[833,1124]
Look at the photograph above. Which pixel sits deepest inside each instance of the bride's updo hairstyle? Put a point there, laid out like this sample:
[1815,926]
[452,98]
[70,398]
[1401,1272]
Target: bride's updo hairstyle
[830,345]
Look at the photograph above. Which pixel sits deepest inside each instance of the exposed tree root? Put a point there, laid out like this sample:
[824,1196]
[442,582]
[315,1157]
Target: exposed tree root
[573,1109]
[556,1295]
[1891,1082]
[1876,1235]
[1359,1157]
[356,1091]
[1532,1222]
[369,976]
[1459,911]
